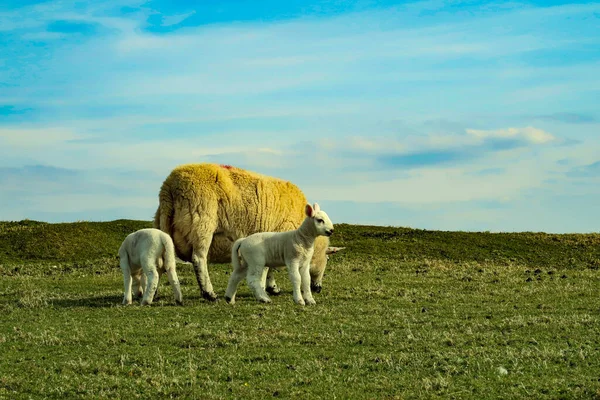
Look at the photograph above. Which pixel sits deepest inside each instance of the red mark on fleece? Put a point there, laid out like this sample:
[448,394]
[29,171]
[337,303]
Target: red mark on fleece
[226,166]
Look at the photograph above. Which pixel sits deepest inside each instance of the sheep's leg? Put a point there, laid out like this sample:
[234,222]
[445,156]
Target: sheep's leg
[271,285]
[199,261]
[126,280]
[316,279]
[305,284]
[203,228]
[295,278]
[202,238]
[237,275]
[151,285]
[255,279]
[174,281]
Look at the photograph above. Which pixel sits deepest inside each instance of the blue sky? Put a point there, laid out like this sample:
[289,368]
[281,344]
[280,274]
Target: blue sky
[437,115]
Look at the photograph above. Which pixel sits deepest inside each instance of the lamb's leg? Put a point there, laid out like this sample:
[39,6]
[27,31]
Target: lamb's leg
[152,277]
[255,278]
[156,294]
[126,280]
[305,284]
[161,270]
[237,275]
[294,273]
[139,283]
[263,278]
[272,287]
[143,283]
[174,281]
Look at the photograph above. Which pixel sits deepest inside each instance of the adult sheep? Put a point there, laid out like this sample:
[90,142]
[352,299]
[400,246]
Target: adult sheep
[206,207]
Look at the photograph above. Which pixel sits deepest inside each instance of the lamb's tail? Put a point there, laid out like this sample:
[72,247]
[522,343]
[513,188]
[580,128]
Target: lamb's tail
[235,256]
[163,218]
[170,265]
[123,257]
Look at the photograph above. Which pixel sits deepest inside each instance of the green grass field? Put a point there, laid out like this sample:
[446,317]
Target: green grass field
[403,314]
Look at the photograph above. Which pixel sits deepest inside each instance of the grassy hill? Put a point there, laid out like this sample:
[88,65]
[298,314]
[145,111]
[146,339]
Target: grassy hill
[404,313]
[33,240]
[75,242]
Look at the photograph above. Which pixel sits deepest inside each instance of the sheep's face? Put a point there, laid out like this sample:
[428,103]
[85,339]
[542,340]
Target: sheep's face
[323,225]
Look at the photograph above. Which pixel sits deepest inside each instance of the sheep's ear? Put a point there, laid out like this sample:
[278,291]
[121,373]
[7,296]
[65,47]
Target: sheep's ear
[331,250]
[310,212]
[316,207]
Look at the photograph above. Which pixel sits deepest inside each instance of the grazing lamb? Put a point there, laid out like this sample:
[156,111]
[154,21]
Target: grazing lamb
[293,249]
[206,207]
[144,255]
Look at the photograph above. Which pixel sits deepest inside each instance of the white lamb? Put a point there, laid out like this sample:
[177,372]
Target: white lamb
[144,255]
[293,249]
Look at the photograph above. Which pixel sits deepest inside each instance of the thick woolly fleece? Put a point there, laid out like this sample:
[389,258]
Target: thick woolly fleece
[206,207]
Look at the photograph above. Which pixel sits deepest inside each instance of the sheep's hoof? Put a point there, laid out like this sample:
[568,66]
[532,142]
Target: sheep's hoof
[300,302]
[179,302]
[264,300]
[146,303]
[316,288]
[126,302]
[210,296]
[274,290]
[310,302]
[229,300]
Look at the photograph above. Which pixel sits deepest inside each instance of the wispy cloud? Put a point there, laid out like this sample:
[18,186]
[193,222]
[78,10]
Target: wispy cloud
[570,118]
[41,190]
[526,135]
[586,171]
[11,110]
[35,137]
[461,149]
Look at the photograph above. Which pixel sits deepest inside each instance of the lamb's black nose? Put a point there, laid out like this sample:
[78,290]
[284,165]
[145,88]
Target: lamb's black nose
[330,232]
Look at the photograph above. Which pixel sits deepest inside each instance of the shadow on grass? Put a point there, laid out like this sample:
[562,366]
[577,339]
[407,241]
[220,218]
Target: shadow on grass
[116,301]
[166,300]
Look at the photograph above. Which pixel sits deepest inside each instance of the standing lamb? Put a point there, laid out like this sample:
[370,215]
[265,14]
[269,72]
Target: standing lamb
[206,207]
[293,249]
[144,255]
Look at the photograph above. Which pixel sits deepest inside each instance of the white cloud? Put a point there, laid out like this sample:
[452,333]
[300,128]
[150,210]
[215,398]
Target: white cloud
[175,19]
[373,144]
[530,134]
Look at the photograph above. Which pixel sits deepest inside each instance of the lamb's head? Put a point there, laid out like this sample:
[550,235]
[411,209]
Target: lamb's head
[320,219]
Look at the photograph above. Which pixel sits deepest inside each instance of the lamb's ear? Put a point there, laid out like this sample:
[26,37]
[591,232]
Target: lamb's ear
[316,207]
[331,250]
[309,211]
